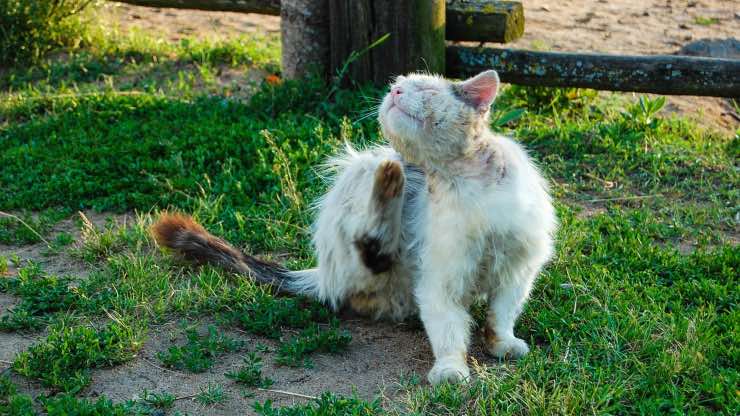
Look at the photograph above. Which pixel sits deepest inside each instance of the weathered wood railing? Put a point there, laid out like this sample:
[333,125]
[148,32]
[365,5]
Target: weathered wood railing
[490,21]
[661,74]
[322,34]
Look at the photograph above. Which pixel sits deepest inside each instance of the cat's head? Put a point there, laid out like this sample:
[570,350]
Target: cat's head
[429,119]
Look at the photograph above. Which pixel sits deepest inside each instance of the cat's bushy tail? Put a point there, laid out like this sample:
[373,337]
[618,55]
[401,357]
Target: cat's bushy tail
[182,234]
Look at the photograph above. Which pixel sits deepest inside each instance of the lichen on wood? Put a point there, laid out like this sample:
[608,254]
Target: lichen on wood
[484,20]
[660,74]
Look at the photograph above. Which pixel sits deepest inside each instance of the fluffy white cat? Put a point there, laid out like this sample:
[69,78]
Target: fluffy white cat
[448,213]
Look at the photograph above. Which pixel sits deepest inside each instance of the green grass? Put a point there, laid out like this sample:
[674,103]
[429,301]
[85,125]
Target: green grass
[62,361]
[326,405]
[199,352]
[637,314]
[151,403]
[250,374]
[211,394]
[40,295]
[312,339]
[706,21]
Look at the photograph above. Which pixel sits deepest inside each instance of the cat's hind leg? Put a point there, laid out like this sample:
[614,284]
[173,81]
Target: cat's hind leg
[378,243]
[357,236]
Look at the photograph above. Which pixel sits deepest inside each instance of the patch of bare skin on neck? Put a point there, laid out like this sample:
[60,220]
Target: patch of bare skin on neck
[480,163]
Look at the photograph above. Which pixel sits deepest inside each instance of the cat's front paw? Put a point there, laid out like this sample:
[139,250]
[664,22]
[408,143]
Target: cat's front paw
[449,370]
[508,348]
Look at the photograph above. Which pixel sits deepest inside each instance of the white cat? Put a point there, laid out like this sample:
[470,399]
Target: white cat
[451,211]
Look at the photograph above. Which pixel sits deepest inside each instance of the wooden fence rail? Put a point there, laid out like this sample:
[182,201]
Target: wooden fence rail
[660,74]
[471,20]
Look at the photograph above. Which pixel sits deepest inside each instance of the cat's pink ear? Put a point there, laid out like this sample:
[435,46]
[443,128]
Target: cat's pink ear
[481,90]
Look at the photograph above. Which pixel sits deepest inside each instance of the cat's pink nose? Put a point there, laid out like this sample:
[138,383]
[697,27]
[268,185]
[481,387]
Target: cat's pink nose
[396,91]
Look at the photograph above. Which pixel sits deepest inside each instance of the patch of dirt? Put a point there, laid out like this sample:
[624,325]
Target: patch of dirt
[378,354]
[11,343]
[610,26]
[59,262]
[625,26]
[176,24]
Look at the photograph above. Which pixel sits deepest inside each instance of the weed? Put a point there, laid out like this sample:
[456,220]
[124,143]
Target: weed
[65,404]
[198,353]
[266,315]
[63,239]
[211,394]
[250,374]
[326,405]
[644,111]
[150,403]
[40,296]
[12,403]
[4,270]
[100,244]
[32,27]
[499,119]
[29,229]
[62,360]
[706,21]
[312,339]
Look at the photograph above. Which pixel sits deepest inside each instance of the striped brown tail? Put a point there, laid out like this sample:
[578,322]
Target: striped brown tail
[194,243]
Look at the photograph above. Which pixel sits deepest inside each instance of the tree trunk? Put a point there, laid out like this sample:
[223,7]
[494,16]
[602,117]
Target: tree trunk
[304,27]
[416,41]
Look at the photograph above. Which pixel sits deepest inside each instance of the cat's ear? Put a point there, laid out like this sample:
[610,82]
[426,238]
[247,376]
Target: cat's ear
[481,90]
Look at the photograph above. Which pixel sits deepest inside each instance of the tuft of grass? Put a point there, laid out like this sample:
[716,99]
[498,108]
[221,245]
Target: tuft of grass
[198,353]
[150,403]
[706,21]
[312,339]
[65,404]
[41,296]
[12,403]
[250,374]
[211,394]
[63,359]
[326,405]
[267,315]
[31,228]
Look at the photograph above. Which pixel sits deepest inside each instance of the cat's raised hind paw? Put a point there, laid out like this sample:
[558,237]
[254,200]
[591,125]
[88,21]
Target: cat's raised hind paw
[449,370]
[508,348]
[389,180]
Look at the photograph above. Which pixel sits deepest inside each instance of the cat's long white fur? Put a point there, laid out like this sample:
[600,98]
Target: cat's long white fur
[475,218]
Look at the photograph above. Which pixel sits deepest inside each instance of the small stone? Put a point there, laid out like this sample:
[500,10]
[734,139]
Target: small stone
[684,26]
[566,285]
[714,48]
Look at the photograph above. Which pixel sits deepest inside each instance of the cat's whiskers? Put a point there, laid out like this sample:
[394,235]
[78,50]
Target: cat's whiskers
[372,112]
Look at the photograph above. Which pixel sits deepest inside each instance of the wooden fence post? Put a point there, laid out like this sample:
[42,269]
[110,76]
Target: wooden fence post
[416,42]
[304,26]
